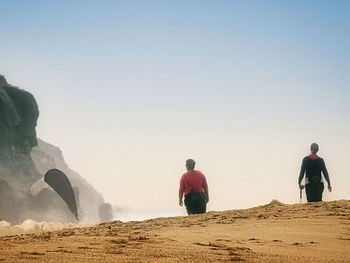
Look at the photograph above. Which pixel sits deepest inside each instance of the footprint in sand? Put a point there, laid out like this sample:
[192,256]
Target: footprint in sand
[297,244]
[225,240]
[344,238]
[255,240]
[32,253]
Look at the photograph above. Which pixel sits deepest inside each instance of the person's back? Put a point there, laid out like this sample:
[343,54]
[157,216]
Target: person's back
[193,179]
[193,185]
[313,166]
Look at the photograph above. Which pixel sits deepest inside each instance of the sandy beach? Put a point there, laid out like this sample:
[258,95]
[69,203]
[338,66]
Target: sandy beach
[317,232]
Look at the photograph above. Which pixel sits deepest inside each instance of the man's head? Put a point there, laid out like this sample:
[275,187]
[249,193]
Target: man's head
[190,164]
[314,148]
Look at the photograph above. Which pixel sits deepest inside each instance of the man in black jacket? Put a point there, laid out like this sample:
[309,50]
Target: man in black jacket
[314,166]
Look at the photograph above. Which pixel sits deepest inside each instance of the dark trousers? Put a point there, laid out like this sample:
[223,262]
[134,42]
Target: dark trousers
[314,191]
[198,206]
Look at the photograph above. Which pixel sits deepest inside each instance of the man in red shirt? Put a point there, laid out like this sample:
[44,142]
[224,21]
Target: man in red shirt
[194,185]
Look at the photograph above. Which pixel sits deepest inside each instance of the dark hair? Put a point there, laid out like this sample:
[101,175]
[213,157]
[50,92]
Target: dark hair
[314,148]
[190,163]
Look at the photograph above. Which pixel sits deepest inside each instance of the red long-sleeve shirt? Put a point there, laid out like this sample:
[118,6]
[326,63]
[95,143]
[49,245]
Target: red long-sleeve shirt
[193,180]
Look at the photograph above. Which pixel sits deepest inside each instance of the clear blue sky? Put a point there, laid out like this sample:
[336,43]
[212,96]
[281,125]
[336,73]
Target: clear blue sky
[130,89]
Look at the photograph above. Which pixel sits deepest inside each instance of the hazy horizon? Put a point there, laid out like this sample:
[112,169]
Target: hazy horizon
[130,90]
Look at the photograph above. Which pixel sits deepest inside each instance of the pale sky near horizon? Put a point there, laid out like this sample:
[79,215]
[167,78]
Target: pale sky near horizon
[130,89]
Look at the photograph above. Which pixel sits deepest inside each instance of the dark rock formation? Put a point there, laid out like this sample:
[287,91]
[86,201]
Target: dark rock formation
[21,166]
[18,116]
[2,80]
[19,113]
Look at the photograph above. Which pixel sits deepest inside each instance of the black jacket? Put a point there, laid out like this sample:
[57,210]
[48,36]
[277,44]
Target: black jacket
[313,168]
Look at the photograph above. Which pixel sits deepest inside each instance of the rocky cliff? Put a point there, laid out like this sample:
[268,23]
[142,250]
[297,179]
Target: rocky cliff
[24,161]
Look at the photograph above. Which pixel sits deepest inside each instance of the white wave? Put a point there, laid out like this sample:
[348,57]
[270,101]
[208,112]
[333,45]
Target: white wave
[31,226]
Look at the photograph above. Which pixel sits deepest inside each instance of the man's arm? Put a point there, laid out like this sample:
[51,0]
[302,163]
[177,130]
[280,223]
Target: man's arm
[181,191]
[206,191]
[180,198]
[326,176]
[302,173]
[205,187]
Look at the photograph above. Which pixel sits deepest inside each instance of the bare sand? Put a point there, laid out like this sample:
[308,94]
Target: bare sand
[318,232]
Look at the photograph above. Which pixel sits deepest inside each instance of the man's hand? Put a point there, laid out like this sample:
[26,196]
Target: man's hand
[301,186]
[329,188]
[206,194]
[180,203]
